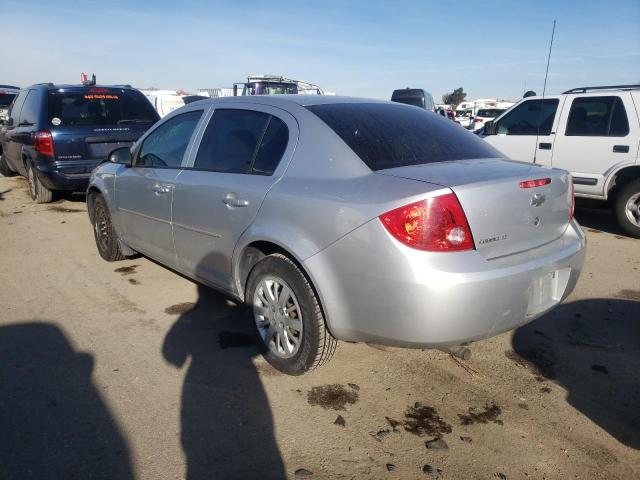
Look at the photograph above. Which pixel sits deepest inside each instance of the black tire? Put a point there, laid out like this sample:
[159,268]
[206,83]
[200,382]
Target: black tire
[317,345]
[39,193]
[5,169]
[105,235]
[628,193]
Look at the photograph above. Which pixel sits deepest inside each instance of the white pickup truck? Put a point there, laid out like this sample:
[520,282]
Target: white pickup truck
[593,132]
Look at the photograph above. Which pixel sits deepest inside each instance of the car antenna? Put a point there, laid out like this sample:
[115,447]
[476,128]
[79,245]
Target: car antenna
[544,90]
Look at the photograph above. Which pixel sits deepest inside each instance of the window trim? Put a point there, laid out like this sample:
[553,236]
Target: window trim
[616,100]
[185,155]
[251,170]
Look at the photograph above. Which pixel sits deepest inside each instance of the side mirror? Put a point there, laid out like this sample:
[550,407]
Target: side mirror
[121,156]
[9,122]
[490,128]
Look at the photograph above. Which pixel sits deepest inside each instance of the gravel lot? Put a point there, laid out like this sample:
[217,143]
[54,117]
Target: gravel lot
[128,370]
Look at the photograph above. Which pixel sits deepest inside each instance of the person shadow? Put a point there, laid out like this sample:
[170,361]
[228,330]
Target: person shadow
[592,349]
[226,422]
[53,422]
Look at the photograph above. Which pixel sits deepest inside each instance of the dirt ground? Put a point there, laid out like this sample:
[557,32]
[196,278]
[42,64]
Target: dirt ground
[128,370]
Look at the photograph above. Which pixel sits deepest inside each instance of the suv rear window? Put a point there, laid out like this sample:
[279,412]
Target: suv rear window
[387,135]
[99,106]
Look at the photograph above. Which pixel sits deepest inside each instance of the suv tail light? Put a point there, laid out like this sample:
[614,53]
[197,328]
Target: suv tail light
[436,224]
[479,120]
[44,143]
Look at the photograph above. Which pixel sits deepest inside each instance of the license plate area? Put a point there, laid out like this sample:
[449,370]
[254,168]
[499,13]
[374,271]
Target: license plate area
[547,290]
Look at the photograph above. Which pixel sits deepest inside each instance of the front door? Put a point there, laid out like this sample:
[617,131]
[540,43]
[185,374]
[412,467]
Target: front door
[526,133]
[144,192]
[238,160]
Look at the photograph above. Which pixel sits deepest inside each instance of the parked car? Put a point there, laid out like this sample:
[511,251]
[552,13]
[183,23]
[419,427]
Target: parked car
[164,101]
[7,94]
[484,115]
[417,97]
[275,85]
[464,117]
[337,218]
[593,132]
[56,134]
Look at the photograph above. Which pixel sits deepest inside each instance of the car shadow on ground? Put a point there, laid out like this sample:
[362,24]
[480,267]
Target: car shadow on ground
[592,349]
[591,217]
[53,422]
[226,421]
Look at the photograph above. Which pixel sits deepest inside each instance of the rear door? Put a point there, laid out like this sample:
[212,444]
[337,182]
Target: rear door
[144,191]
[526,132]
[598,133]
[239,158]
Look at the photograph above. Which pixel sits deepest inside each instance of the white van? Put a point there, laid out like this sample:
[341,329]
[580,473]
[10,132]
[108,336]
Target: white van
[593,132]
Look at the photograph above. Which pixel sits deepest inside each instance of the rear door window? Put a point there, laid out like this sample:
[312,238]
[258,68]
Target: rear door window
[388,135]
[100,106]
[242,141]
[30,109]
[533,117]
[6,99]
[166,145]
[597,117]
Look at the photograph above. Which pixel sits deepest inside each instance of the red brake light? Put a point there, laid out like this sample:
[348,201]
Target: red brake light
[479,120]
[535,183]
[44,143]
[436,224]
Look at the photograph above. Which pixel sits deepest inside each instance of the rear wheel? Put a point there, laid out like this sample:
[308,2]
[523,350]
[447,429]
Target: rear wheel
[627,208]
[39,193]
[5,170]
[287,316]
[104,232]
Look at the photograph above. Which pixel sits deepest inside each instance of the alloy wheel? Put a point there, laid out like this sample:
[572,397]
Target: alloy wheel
[278,316]
[632,209]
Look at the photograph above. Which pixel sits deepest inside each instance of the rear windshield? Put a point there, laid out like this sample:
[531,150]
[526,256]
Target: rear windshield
[387,135]
[6,99]
[489,112]
[415,101]
[100,106]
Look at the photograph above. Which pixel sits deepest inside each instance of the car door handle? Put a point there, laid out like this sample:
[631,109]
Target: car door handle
[161,189]
[621,148]
[232,200]
[544,146]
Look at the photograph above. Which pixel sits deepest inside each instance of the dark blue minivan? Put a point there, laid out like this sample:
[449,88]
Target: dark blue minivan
[55,135]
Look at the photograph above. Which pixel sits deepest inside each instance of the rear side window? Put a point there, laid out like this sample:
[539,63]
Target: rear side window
[489,112]
[100,106]
[597,117]
[242,141]
[387,135]
[166,145]
[533,117]
[6,99]
[30,109]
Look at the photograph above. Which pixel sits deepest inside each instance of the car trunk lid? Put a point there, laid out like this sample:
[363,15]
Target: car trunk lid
[505,217]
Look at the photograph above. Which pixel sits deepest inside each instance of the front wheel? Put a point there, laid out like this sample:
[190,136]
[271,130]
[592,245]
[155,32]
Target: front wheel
[287,316]
[39,193]
[104,232]
[627,208]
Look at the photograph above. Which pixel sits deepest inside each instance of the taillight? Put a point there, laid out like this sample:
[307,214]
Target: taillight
[479,120]
[535,183]
[572,200]
[436,224]
[44,143]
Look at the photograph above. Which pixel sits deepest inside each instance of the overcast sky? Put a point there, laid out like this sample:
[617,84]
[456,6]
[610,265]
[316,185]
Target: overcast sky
[361,48]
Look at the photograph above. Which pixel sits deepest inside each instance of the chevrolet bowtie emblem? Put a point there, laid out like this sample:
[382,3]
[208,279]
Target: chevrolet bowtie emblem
[537,200]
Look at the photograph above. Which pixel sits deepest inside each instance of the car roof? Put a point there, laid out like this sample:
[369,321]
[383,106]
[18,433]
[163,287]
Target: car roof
[288,100]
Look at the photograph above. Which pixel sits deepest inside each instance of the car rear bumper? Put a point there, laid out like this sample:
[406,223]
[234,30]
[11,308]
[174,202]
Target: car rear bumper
[375,289]
[66,175]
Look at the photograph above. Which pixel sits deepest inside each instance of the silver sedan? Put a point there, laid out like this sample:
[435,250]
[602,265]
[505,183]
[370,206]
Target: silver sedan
[337,218]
